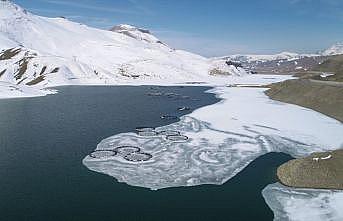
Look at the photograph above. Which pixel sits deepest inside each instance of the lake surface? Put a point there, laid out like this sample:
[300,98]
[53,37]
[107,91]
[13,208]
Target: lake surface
[43,141]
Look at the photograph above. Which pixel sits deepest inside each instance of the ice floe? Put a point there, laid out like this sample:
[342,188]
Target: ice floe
[214,143]
[304,204]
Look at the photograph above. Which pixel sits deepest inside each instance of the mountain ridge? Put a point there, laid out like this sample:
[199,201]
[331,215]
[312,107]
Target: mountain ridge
[335,49]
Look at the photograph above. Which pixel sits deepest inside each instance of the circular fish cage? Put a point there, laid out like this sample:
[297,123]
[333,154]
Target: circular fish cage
[138,157]
[100,154]
[171,94]
[169,117]
[144,129]
[155,94]
[185,97]
[177,138]
[168,133]
[147,133]
[125,150]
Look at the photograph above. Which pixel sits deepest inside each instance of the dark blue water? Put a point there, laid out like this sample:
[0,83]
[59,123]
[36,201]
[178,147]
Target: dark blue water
[43,141]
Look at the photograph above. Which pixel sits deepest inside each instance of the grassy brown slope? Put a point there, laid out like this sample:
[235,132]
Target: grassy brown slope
[314,171]
[333,65]
[324,95]
[321,97]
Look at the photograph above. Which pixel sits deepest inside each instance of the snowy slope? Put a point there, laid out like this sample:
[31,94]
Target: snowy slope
[6,43]
[79,54]
[335,49]
[299,204]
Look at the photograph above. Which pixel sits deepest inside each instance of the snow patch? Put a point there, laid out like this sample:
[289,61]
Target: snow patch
[325,75]
[8,90]
[304,204]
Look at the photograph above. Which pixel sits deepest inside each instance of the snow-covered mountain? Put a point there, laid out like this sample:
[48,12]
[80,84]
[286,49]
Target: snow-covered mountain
[265,58]
[335,49]
[41,52]
[282,63]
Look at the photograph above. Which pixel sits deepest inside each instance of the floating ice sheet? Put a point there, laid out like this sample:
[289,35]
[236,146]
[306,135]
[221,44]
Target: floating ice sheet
[186,162]
[218,141]
[304,204]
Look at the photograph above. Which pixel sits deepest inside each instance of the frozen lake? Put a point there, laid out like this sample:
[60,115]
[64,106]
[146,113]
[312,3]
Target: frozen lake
[48,160]
[44,139]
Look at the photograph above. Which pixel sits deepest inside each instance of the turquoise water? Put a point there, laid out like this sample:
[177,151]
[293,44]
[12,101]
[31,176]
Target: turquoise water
[43,141]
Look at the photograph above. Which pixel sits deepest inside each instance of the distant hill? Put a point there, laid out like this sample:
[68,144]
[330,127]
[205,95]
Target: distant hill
[285,62]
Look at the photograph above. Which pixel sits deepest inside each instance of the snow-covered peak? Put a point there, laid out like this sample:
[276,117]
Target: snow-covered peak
[335,49]
[136,33]
[286,55]
[126,27]
[9,10]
